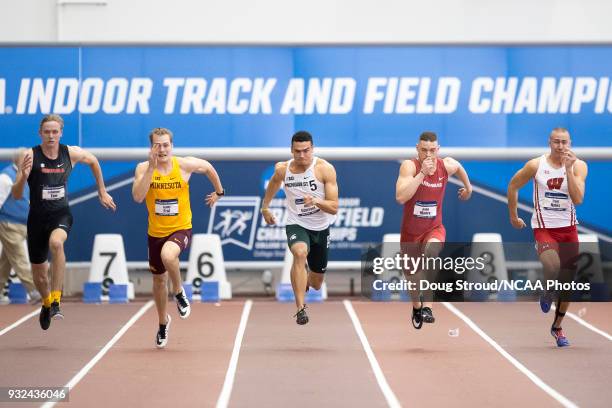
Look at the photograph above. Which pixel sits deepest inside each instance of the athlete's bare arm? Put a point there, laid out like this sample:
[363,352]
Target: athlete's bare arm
[23,172]
[454,167]
[407,182]
[521,178]
[576,171]
[78,155]
[194,165]
[327,174]
[143,175]
[274,185]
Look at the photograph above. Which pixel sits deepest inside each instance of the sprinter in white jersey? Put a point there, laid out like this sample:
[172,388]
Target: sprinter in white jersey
[559,182]
[312,203]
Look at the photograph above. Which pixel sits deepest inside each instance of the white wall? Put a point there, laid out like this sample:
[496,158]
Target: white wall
[310,21]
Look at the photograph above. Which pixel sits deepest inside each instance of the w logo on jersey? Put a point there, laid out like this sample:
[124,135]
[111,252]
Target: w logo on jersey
[233,218]
[554,183]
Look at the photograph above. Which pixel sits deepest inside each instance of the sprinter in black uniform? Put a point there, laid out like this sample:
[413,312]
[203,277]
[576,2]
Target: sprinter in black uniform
[46,168]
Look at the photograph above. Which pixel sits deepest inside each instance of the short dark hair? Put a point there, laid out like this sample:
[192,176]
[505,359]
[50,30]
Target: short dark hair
[301,136]
[428,137]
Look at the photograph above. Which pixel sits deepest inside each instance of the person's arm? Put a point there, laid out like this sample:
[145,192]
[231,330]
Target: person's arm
[274,185]
[143,175]
[23,172]
[407,182]
[453,167]
[576,172]
[142,181]
[330,203]
[516,183]
[78,155]
[200,166]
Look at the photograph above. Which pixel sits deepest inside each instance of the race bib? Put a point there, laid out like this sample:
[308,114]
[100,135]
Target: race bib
[167,207]
[53,193]
[425,209]
[555,201]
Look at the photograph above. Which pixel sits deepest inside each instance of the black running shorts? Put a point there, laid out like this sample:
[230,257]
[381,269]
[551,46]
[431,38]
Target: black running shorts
[40,227]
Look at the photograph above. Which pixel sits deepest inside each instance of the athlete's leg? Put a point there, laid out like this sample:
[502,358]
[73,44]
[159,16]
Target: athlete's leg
[170,257]
[160,295]
[299,250]
[58,258]
[551,264]
[41,280]
[549,258]
[432,250]
[315,280]
[317,258]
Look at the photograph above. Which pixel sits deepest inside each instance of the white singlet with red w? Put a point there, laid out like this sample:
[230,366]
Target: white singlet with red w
[552,204]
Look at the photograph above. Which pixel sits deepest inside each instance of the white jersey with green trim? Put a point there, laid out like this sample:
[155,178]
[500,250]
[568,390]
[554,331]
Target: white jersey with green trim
[297,186]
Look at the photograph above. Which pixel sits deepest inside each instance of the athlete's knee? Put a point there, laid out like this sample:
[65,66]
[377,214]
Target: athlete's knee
[433,248]
[56,245]
[168,256]
[315,280]
[550,261]
[299,253]
[160,279]
[316,284]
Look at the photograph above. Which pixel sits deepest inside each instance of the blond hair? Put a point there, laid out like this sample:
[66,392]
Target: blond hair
[52,118]
[160,132]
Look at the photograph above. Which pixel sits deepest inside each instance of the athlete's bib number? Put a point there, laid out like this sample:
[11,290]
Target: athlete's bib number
[555,201]
[166,207]
[425,209]
[52,193]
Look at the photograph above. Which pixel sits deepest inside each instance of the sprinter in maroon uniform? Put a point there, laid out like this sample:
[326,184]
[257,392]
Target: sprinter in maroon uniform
[420,188]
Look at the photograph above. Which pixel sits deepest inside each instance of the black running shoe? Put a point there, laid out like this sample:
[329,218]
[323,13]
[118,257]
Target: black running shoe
[161,339]
[56,313]
[301,317]
[182,304]
[45,317]
[417,317]
[427,315]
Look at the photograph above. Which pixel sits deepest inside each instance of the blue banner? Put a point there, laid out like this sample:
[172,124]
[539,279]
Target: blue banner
[346,96]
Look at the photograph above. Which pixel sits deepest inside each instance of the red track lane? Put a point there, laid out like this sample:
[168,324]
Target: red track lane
[32,357]
[189,372]
[9,314]
[321,364]
[580,372]
[428,368]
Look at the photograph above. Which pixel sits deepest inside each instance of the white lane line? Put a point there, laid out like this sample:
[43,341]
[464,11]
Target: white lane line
[226,391]
[534,378]
[392,400]
[587,324]
[79,376]
[18,322]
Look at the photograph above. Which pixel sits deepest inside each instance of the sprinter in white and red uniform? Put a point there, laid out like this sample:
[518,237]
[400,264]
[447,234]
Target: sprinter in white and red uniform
[558,186]
[420,188]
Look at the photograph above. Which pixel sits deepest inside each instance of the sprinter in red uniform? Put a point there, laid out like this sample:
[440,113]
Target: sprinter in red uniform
[559,180]
[420,188]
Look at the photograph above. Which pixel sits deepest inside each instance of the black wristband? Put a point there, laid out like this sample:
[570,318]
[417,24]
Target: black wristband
[222,193]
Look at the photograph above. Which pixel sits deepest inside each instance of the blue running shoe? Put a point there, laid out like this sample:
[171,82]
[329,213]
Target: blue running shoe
[546,302]
[559,336]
